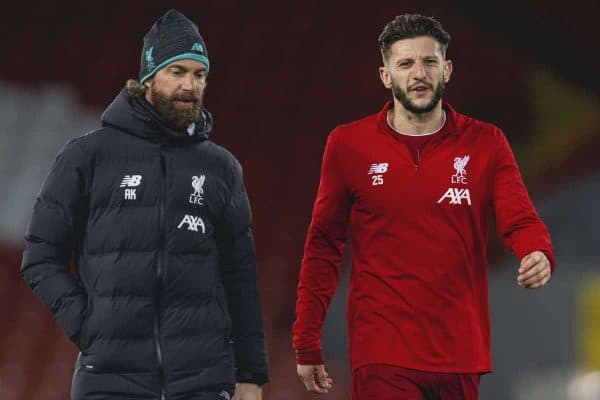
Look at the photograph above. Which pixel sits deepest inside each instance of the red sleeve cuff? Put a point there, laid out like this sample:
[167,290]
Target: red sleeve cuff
[313,357]
[550,256]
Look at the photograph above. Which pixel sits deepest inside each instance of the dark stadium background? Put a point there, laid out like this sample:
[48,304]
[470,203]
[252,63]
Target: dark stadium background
[283,74]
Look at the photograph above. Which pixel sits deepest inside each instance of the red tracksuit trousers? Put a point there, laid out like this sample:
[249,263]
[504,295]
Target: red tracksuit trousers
[388,382]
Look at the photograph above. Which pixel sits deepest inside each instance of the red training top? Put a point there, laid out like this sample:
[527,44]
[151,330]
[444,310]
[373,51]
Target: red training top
[418,289]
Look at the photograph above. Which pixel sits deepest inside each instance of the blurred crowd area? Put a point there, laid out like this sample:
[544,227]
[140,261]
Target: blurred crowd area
[283,75]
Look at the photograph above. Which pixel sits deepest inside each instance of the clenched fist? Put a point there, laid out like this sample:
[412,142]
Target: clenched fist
[315,378]
[534,271]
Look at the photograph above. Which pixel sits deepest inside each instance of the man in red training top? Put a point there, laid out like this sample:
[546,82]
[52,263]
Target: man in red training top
[415,182]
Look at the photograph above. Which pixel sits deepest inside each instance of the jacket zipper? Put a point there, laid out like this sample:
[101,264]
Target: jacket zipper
[160,274]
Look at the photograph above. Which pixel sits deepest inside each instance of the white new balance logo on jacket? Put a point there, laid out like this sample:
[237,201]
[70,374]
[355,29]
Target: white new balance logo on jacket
[131,180]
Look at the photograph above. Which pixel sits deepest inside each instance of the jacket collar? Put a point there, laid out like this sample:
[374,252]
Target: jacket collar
[134,115]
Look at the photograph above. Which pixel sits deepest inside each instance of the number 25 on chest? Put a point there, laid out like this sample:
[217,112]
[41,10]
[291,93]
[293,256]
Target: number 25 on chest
[376,171]
[377,180]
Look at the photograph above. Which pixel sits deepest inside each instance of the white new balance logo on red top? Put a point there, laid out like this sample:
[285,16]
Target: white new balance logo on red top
[380,168]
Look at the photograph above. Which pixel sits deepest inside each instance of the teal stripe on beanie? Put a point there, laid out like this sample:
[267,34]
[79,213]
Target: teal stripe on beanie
[172,37]
[185,56]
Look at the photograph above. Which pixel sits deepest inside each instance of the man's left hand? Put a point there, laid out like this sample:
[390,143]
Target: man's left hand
[534,271]
[247,391]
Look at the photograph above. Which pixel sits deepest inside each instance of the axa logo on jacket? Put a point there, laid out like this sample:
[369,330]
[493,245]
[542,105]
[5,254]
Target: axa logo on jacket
[192,223]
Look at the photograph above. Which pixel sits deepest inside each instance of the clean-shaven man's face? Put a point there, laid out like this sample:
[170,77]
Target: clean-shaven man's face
[176,92]
[417,72]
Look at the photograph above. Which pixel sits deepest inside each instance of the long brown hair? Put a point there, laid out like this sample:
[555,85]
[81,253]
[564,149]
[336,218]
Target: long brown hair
[135,88]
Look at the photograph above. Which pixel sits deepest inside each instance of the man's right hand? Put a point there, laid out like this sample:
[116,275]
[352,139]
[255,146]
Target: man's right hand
[315,378]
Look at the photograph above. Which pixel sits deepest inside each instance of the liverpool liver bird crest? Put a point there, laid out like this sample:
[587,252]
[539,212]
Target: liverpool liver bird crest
[198,183]
[459,165]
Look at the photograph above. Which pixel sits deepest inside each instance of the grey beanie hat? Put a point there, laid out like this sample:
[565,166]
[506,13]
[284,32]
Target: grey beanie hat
[172,37]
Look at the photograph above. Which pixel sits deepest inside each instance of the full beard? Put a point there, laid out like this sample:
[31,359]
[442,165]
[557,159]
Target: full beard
[176,117]
[402,96]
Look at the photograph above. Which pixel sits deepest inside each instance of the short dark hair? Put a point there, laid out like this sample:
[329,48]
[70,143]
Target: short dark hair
[408,26]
